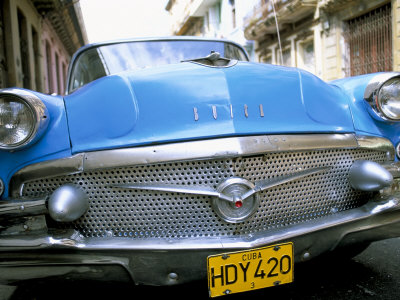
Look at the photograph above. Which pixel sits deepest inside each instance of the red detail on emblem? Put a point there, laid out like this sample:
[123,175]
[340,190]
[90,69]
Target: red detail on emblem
[238,204]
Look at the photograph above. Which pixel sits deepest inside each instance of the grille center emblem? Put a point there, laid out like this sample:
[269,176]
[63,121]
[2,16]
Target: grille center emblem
[244,204]
[235,199]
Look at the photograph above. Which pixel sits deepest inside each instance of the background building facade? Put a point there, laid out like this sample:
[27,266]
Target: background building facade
[330,38]
[37,40]
[211,18]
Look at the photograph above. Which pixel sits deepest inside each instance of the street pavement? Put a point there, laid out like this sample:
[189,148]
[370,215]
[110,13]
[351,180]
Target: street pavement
[374,274]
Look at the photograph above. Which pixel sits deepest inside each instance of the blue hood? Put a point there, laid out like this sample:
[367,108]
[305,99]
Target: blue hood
[189,101]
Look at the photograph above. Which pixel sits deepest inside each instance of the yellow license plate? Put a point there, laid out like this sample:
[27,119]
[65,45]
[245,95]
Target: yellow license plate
[248,270]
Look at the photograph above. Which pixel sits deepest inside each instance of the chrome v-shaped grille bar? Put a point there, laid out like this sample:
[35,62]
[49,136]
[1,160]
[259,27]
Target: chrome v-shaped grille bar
[209,191]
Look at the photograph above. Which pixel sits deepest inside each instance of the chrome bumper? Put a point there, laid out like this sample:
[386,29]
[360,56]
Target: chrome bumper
[166,262]
[30,250]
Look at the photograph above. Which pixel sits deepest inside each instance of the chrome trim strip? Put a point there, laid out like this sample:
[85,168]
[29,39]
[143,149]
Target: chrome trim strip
[195,150]
[1,187]
[73,240]
[46,169]
[393,168]
[216,148]
[377,144]
[209,191]
[18,208]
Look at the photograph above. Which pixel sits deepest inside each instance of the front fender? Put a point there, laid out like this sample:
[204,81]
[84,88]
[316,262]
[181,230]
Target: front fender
[364,121]
[53,144]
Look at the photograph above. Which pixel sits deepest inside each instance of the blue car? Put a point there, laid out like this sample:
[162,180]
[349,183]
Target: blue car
[173,160]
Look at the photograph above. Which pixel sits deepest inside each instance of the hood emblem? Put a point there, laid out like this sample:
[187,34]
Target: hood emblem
[246,112]
[261,111]
[196,115]
[235,199]
[213,60]
[215,113]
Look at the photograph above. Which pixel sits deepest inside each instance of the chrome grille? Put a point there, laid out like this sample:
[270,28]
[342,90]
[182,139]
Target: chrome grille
[150,214]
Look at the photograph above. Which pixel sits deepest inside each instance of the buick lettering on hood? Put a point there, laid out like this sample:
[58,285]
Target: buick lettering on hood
[173,160]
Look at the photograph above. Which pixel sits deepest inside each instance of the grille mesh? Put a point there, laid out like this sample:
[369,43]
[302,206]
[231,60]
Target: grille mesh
[144,214]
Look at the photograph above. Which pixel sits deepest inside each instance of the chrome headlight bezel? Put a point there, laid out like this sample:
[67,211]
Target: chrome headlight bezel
[374,98]
[39,113]
[1,187]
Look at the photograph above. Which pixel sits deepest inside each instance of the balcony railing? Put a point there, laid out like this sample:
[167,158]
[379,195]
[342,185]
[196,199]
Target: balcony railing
[261,19]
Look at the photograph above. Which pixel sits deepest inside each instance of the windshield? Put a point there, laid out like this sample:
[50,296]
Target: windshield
[114,58]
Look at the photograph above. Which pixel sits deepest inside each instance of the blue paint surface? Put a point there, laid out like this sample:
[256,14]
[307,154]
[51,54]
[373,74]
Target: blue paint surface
[157,105]
[54,143]
[365,122]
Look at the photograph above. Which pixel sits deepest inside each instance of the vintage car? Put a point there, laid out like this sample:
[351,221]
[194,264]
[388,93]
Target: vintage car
[176,159]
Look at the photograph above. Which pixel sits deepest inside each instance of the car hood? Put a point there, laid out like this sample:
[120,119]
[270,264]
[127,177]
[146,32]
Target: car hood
[190,101]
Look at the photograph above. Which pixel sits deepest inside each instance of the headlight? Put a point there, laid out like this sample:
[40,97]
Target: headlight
[383,95]
[23,117]
[388,99]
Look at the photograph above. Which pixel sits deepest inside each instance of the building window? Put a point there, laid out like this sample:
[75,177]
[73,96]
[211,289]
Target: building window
[286,57]
[207,22]
[3,72]
[369,42]
[306,55]
[64,73]
[232,2]
[58,75]
[36,57]
[267,59]
[24,50]
[219,12]
[49,69]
